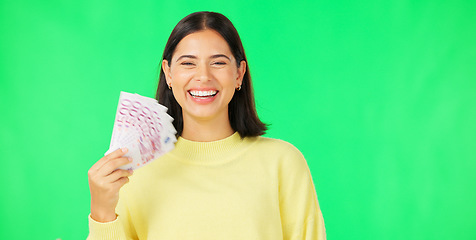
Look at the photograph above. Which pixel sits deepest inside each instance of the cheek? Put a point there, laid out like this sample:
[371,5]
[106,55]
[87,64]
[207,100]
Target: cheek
[181,73]
[227,76]
[179,95]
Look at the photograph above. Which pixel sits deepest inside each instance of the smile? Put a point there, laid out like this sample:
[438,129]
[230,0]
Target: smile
[203,94]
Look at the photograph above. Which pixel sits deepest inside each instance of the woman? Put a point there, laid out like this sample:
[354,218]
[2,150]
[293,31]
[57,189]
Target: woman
[222,180]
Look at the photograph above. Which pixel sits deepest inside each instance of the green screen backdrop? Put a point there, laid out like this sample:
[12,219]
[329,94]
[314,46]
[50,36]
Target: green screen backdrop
[380,96]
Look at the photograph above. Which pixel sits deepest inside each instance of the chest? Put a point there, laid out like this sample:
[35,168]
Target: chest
[188,199]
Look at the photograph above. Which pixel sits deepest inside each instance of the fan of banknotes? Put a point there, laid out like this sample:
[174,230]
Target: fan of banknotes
[142,126]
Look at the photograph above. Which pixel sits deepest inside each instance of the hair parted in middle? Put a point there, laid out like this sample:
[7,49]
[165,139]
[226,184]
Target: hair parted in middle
[241,109]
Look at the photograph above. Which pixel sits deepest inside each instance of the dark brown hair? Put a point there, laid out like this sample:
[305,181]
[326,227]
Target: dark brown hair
[241,109]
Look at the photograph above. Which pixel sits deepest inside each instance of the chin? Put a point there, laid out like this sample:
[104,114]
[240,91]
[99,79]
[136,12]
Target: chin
[200,113]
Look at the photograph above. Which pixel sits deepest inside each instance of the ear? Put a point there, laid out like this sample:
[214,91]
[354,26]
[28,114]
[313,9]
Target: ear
[166,69]
[241,73]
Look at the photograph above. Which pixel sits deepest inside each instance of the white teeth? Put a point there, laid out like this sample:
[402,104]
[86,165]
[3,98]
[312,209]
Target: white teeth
[202,93]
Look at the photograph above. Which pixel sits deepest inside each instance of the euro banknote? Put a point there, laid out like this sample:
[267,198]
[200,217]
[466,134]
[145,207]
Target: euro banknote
[143,126]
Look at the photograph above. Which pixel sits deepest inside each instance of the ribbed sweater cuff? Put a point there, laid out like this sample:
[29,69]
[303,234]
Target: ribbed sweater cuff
[109,230]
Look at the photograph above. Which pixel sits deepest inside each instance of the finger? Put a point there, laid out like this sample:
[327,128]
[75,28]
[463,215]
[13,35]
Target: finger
[120,182]
[117,174]
[112,165]
[118,153]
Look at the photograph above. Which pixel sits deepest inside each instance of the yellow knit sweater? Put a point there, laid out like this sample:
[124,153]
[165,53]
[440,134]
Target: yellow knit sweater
[255,188]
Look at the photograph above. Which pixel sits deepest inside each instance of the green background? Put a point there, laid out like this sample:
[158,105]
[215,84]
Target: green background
[380,96]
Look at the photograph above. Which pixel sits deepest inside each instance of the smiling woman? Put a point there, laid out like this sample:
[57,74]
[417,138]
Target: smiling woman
[222,180]
[203,75]
[191,44]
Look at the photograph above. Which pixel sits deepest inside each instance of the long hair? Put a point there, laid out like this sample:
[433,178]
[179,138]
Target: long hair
[241,109]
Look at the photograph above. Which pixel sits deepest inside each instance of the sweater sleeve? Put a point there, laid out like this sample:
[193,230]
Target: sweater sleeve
[105,231]
[301,217]
[119,229]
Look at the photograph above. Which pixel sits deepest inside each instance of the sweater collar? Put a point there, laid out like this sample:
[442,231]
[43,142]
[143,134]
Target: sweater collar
[208,152]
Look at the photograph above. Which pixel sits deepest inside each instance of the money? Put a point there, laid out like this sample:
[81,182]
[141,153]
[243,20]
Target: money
[142,126]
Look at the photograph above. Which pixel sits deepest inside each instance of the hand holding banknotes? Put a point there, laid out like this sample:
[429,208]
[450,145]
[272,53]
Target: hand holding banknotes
[142,132]
[144,127]
[105,180]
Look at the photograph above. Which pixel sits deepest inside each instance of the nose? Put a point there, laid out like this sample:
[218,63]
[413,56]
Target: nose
[203,73]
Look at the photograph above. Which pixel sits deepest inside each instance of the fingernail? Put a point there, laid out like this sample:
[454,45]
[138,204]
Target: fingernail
[131,171]
[130,159]
[124,150]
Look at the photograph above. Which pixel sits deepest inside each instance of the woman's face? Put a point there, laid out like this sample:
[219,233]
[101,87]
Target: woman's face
[203,75]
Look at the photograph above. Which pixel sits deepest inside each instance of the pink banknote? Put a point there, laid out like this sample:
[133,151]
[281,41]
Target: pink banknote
[143,126]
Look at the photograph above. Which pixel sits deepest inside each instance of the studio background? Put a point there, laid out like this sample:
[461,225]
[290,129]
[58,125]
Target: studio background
[380,97]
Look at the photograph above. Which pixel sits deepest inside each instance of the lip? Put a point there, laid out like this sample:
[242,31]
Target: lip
[202,89]
[202,100]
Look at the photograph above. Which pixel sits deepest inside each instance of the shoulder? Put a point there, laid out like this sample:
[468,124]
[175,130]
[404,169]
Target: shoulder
[288,159]
[278,146]
[278,151]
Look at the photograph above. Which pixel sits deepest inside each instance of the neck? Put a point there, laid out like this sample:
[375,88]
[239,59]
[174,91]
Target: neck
[206,130]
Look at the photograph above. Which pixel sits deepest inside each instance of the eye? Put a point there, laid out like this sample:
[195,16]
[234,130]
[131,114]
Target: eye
[187,63]
[219,63]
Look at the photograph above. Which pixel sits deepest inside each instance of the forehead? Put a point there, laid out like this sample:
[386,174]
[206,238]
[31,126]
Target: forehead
[202,44]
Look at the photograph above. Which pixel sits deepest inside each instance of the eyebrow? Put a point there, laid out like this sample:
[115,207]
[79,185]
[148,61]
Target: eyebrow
[220,55]
[195,57]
